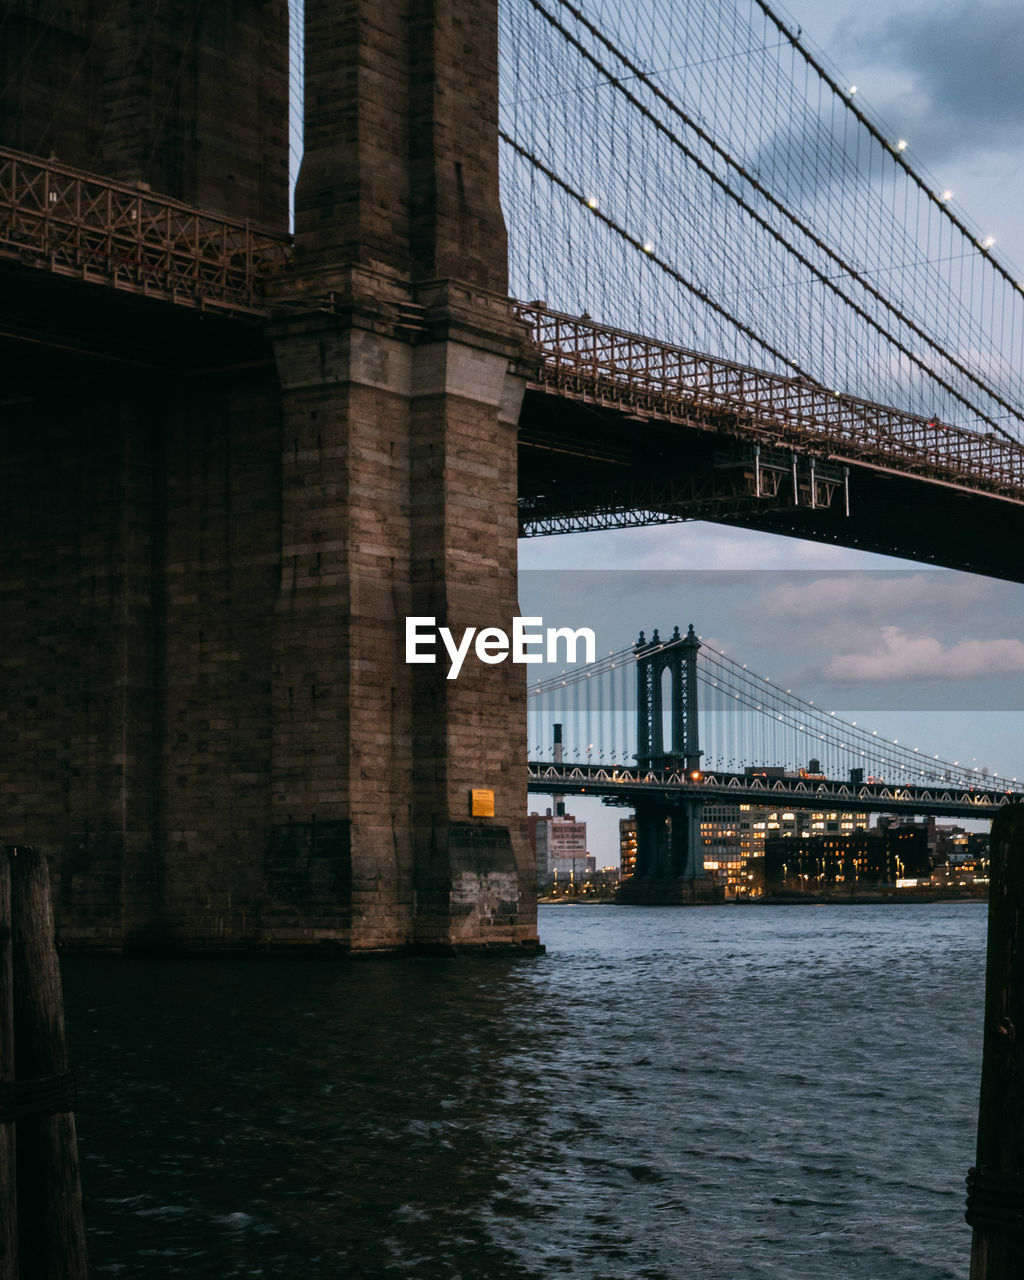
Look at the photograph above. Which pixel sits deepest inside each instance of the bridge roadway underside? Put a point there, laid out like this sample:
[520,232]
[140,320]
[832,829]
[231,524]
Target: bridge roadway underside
[61,338]
[581,465]
[585,465]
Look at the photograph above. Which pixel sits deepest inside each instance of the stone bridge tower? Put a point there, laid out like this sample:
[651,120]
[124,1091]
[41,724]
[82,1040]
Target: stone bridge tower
[213,531]
[399,498]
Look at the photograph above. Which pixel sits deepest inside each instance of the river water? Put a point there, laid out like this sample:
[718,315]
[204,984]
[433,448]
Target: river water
[716,1093]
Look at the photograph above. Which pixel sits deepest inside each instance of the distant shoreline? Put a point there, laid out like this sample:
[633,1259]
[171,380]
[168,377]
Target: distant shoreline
[799,900]
[893,899]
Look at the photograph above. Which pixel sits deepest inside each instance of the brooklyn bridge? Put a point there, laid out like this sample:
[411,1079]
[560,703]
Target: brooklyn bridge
[542,273]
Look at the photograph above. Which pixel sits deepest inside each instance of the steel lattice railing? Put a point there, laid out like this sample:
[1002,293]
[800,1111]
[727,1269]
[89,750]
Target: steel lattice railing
[82,225]
[580,358]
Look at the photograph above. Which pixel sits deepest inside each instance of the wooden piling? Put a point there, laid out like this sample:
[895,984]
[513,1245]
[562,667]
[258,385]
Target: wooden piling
[51,1235]
[8,1193]
[995,1195]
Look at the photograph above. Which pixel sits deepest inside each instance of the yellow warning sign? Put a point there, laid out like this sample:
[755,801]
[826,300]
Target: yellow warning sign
[481,804]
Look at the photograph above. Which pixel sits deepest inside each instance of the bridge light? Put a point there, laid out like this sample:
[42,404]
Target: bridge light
[648,246]
[988,242]
[695,775]
[852,90]
[901,145]
[592,202]
[946,195]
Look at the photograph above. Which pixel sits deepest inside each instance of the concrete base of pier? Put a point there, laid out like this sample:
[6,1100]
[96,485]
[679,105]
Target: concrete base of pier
[679,891]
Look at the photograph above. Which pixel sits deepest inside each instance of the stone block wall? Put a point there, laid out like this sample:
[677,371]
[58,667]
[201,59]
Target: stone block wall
[211,727]
[141,553]
[185,97]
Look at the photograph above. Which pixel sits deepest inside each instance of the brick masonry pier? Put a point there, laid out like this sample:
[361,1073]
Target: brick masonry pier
[213,528]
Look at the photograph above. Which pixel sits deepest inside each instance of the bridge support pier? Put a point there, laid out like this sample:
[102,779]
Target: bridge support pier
[212,728]
[396,348]
[387,445]
[669,862]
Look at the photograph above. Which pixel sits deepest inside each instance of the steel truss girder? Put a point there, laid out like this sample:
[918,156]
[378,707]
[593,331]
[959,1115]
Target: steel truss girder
[623,786]
[740,485]
[78,224]
[578,359]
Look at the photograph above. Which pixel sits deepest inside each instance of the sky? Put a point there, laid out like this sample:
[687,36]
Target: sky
[946,76]
[929,656]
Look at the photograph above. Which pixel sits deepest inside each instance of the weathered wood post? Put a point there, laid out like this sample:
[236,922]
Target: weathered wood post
[8,1196]
[51,1233]
[995,1186]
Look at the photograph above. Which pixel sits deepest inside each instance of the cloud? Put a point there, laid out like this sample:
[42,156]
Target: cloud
[687,546]
[899,656]
[945,76]
[957,84]
[848,600]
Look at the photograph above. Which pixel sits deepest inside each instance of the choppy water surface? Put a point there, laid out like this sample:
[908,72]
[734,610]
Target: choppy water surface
[713,1093]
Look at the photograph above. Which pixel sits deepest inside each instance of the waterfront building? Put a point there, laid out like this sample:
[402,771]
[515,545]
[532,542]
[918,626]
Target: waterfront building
[560,847]
[960,858]
[883,856]
[627,846]
[734,838]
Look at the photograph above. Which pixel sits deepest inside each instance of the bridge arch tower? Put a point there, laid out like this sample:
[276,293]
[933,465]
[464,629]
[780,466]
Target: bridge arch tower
[678,657]
[669,864]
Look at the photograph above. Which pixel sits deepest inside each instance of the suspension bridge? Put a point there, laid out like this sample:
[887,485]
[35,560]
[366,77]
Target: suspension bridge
[545,266]
[667,726]
[831,348]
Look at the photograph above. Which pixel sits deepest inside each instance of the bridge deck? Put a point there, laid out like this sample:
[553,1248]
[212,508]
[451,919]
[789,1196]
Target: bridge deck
[586,472]
[648,379]
[625,786]
[85,226]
